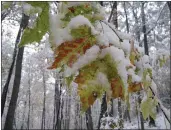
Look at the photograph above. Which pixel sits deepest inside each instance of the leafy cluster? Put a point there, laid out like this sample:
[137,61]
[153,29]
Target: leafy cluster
[90,87]
[89,11]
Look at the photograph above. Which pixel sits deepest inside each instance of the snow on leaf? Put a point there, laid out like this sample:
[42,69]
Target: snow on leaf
[68,52]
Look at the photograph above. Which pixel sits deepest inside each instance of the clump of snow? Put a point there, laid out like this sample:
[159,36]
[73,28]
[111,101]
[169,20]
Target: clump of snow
[81,20]
[124,35]
[145,59]
[135,78]
[140,49]
[102,40]
[119,58]
[102,79]
[58,34]
[125,45]
[90,55]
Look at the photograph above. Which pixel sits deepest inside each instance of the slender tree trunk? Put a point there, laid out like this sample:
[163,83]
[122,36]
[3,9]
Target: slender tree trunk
[68,113]
[43,125]
[115,22]
[141,117]
[126,21]
[144,29]
[29,94]
[127,115]
[13,101]
[57,104]
[32,116]
[137,28]
[111,14]
[23,116]
[115,15]
[152,122]
[89,121]
[169,5]
[101,3]
[23,24]
[103,109]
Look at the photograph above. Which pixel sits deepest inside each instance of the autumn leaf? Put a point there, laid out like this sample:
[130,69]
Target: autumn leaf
[68,52]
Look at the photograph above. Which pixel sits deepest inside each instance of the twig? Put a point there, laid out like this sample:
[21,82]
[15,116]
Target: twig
[112,30]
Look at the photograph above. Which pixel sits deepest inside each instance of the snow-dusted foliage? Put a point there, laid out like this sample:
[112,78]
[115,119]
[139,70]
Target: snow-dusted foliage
[99,58]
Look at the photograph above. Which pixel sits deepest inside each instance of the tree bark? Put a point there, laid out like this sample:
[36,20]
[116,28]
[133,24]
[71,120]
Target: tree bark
[103,109]
[115,15]
[23,116]
[89,121]
[23,24]
[43,124]
[111,14]
[57,104]
[144,29]
[13,101]
[126,21]
[29,94]
[169,5]
[141,117]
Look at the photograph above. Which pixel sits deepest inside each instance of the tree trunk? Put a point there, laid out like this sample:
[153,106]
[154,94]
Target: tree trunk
[103,109]
[152,122]
[137,28]
[111,14]
[57,104]
[144,29]
[13,101]
[127,115]
[89,121]
[120,113]
[23,116]
[169,5]
[115,15]
[43,124]
[141,117]
[126,21]
[23,24]
[29,94]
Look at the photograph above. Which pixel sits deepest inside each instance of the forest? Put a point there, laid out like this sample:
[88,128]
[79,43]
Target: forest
[85,65]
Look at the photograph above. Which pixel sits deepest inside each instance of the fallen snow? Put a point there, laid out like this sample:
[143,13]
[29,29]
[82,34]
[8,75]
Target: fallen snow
[81,20]
[90,55]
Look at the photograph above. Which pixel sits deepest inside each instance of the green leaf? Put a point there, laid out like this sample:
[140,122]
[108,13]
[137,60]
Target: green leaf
[69,80]
[148,108]
[41,28]
[81,31]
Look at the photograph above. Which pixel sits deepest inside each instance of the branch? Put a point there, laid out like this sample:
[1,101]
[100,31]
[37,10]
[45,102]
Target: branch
[121,40]
[156,20]
[111,12]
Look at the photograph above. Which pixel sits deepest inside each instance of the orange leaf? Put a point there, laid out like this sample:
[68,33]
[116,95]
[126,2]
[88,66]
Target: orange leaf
[68,52]
[117,90]
[135,87]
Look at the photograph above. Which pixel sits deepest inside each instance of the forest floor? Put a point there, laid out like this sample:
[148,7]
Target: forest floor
[161,123]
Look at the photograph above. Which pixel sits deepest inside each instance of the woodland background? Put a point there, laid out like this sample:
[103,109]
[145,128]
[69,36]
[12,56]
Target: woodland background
[43,101]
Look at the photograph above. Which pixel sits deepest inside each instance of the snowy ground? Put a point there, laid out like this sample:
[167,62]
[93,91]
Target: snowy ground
[160,123]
